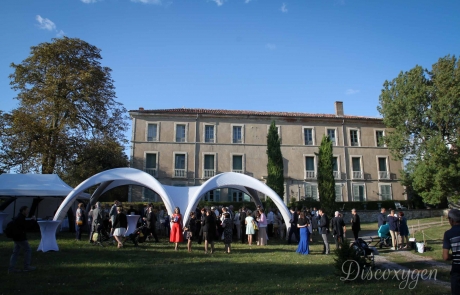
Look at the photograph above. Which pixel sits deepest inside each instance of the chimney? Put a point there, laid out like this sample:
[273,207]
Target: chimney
[339,109]
[141,109]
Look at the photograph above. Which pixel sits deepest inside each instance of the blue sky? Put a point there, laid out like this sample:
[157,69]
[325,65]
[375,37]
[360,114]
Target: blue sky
[264,55]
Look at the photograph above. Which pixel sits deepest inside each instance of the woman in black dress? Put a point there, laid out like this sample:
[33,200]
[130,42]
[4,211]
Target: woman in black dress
[227,225]
[120,225]
[209,231]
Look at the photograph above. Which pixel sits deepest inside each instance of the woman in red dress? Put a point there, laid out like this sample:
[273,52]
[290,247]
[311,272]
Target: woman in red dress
[176,235]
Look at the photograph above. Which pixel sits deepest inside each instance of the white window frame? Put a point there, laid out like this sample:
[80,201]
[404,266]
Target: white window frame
[313,135]
[174,174]
[154,171]
[242,159]
[341,185]
[147,131]
[206,173]
[358,134]
[335,143]
[376,139]
[381,174]
[353,175]
[204,133]
[380,191]
[305,189]
[337,175]
[305,167]
[353,192]
[175,132]
[242,133]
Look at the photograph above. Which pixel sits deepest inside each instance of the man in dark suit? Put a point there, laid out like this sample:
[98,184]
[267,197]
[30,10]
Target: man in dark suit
[324,227]
[338,229]
[151,220]
[355,224]
[294,229]
[381,218]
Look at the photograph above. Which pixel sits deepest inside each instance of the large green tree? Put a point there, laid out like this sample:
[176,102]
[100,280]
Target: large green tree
[66,99]
[326,181]
[422,108]
[275,168]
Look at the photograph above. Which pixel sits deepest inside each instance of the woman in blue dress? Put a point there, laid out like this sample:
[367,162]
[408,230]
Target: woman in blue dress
[302,224]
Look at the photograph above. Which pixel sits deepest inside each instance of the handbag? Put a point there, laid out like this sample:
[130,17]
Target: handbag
[80,222]
[254,225]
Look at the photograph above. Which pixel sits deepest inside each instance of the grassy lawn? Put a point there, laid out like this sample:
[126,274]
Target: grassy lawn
[157,269]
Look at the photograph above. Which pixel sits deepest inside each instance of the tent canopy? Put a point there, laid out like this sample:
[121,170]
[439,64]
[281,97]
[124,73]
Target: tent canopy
[33,185]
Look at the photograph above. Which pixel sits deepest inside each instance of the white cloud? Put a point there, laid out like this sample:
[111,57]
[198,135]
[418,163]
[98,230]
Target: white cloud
[219,2]
[156,2]
[45,24]
[60,34]
[270,46]
[89,1]
[284,8]
[351,91]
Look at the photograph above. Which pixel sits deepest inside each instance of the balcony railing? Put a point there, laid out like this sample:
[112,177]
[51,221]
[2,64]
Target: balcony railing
[357,175]
[336,175]
[309,174]
[151,171]
[238,171]
[209,173]
[384,175]
[180,172]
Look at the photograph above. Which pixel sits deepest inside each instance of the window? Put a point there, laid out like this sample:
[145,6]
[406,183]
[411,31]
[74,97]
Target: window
[236,195]
[385,192]
[338,193]
[180,164]
[151,164]
[237,134]
[358,193]
[335,168]
[309,167]
[354,137]
[379,138]
[331,134]
[152,132]
[356,165]
[383,171]
[209,166]
[237,163]
[209,135]
[180,133]
[311,191]
[308,135]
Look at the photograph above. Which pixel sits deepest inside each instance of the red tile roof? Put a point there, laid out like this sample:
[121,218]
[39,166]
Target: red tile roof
[248,113]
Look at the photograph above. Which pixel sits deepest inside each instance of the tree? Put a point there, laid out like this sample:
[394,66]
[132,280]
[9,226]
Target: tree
[66,98]
[326,181]
[423,109]
[275,169]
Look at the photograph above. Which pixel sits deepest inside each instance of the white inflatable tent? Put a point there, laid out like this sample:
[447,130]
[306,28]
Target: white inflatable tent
[48,191]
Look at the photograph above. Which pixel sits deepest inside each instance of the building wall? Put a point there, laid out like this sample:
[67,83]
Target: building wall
[255,130]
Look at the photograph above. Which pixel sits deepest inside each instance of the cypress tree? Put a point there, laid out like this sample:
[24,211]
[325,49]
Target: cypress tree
[326,181]
[275,169]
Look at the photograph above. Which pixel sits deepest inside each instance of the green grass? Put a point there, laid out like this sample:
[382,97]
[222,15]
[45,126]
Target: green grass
[80,268]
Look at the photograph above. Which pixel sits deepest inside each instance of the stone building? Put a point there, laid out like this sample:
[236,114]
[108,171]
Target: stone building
[185,147]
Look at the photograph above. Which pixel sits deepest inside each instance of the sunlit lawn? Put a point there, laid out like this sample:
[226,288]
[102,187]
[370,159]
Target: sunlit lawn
[80,268]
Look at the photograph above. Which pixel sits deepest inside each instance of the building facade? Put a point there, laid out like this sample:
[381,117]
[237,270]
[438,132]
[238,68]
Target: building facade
[185,147]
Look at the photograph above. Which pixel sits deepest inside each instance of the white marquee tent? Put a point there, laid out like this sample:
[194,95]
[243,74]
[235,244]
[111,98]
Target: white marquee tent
[48,191]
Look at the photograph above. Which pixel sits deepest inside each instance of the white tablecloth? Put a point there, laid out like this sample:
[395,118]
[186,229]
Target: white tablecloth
[2,218]
[48,231]
[132,224]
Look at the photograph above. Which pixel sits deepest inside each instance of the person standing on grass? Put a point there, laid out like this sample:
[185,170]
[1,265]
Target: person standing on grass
[293,229]
[249,222]
[176,235]
[262,220]
[119,227]
[79,221]
[189,230]
[451,241]
[403,231]
[324,227]
[243,225]
[355,224]
[209,230]
[302,224]
[393,224]
[381,220]
[151,221]
[338,229]
[20,242]
[113,213]
[227,225]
